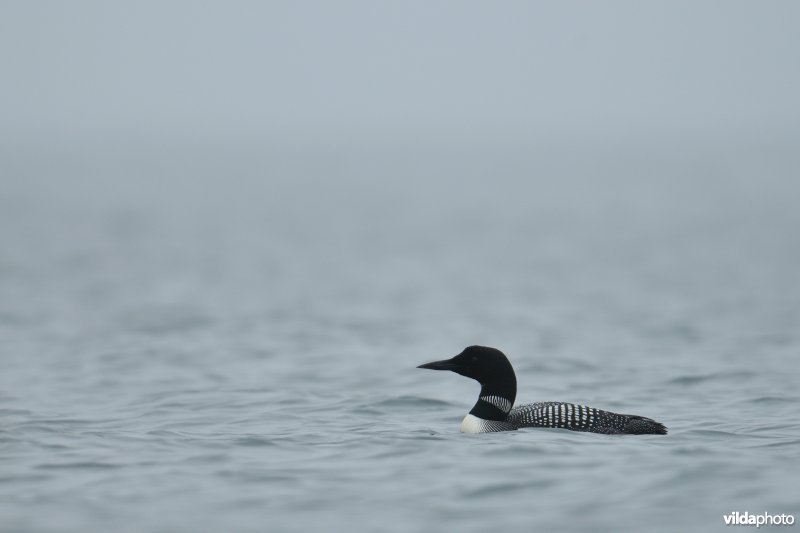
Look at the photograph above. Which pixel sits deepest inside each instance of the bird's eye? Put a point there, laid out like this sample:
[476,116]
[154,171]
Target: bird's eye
[474,358]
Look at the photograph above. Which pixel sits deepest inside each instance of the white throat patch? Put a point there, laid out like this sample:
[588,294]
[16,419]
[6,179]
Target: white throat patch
[498,401]
[472,424]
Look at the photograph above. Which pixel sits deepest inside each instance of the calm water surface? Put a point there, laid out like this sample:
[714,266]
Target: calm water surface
[226,340]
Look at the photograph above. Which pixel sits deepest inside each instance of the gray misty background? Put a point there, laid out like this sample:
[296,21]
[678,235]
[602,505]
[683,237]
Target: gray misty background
[229,231]
[92,73]
[299,145]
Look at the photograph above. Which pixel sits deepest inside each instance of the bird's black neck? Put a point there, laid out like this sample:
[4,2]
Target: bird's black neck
[496,399]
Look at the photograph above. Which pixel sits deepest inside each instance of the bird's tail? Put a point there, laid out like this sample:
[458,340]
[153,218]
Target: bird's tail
[640,425]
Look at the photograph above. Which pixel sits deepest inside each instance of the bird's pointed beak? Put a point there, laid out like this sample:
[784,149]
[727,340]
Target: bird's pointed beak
[446,364]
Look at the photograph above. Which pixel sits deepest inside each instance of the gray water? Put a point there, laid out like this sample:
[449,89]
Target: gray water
[223,337]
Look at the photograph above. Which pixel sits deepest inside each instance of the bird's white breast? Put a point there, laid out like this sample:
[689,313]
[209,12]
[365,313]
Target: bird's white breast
[472,424]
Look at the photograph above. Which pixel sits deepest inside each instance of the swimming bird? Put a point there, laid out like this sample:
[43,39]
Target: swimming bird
[493,411]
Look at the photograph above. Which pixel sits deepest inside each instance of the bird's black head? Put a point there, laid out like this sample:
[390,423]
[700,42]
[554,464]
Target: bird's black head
[488,366]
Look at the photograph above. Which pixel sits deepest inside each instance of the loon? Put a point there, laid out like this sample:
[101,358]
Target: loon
[493,411]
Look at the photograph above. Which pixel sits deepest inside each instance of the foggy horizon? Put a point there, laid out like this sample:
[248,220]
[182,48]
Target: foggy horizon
[455,68]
